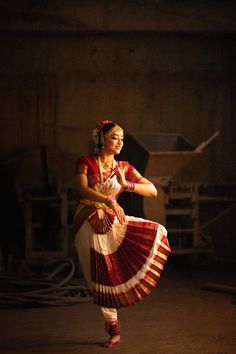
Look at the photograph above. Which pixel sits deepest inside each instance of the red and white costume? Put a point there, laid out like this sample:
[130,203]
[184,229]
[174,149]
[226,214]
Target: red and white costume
[121,263]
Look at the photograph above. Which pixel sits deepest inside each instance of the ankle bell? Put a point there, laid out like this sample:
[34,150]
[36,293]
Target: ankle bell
[112,327]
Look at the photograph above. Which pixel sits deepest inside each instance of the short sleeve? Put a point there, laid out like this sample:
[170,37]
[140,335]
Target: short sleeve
[132,175]
[81,166]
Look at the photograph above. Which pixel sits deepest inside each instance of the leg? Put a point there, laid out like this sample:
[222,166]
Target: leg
[112,326]
[82,246]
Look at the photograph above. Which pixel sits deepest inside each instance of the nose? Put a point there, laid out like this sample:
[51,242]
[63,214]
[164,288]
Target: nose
[120,140]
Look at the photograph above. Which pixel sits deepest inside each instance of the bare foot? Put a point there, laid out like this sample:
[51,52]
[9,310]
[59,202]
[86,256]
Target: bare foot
[111,341]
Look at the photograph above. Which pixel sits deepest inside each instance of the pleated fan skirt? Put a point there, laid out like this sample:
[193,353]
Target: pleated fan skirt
[122,266]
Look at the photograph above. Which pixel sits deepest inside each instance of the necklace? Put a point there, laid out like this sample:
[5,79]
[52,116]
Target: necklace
[106,164]
[104,167]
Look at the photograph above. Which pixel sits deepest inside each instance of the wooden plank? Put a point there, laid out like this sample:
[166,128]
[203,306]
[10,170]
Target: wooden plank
[221,288]
[178,211]
[216,199]
[218,216]
[200,147]
[177,195]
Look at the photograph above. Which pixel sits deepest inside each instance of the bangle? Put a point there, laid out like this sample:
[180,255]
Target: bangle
[130,187]
[110,201]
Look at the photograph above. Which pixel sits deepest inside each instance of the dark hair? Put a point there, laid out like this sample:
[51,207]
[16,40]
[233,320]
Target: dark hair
[104,130]
[106,127]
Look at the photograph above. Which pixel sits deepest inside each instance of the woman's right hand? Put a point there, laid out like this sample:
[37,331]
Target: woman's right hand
[119,212]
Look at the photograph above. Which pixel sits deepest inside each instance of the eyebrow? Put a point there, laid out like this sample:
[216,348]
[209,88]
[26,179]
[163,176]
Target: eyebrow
[115,134]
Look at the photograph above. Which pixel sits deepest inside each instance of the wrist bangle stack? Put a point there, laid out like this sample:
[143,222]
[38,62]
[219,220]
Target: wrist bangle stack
[130,187]
[110,201]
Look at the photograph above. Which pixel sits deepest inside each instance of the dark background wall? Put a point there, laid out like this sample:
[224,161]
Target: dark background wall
[153,66]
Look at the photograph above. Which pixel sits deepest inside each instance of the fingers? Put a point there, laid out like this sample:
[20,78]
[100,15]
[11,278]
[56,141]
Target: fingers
[121,176]
[121,217]
[121,172]
[118,171]
[119,213]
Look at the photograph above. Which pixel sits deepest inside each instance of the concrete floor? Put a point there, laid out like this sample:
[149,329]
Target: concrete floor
[179,317]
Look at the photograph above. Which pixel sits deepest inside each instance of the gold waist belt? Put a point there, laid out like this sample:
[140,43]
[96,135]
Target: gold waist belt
[97,205]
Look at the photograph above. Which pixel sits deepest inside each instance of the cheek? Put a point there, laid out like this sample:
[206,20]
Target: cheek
[110,144]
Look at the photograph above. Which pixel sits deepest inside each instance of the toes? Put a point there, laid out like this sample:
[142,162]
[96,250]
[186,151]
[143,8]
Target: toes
[110,342]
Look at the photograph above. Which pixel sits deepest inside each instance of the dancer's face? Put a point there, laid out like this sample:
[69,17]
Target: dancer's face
[113,141]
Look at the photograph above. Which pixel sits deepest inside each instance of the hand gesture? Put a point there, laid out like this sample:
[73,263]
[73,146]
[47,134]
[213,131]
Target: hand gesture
[119,212]
[120,175]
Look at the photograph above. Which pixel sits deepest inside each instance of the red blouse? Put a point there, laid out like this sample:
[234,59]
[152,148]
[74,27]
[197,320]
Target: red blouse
[88,165]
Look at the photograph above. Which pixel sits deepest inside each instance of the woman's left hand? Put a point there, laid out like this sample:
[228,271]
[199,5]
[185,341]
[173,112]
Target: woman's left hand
[120,175]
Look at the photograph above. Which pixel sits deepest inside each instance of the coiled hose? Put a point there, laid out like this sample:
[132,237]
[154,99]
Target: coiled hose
[44,290]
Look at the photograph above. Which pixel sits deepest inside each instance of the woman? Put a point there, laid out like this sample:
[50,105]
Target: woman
[121,256]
